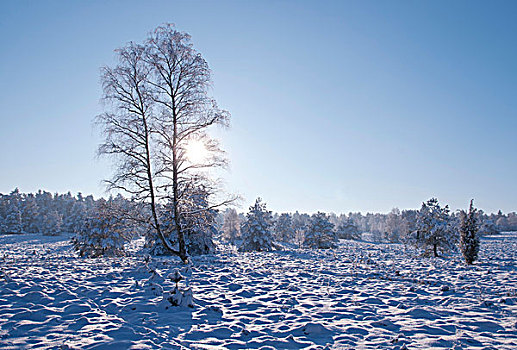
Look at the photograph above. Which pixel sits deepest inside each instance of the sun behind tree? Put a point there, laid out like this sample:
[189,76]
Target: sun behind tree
[157,104]
[196,152]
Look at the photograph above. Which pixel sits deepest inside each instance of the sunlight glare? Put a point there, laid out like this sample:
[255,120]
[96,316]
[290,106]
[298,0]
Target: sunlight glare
[196,151]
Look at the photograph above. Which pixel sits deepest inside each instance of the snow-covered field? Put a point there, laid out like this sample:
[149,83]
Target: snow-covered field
[358,296]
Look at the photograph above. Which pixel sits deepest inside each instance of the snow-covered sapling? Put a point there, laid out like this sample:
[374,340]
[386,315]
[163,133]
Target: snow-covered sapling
[434,229]
[469,239]
[175,277]
[180,296]
[256,230]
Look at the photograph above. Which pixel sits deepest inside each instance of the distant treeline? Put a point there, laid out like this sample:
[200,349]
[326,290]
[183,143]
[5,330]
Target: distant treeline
[394,227]
[54,213]
[43,212]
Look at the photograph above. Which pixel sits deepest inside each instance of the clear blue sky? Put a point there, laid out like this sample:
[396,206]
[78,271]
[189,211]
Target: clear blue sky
[336,106]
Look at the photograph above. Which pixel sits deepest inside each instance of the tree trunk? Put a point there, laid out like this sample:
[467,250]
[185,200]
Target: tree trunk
[177,220]
[166,244]
[435,250]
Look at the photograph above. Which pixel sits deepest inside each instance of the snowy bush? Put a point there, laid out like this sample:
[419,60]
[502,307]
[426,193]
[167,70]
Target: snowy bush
[256,230]
[198,223]
[469,239]
[434,229]
[320,232]
[103,234]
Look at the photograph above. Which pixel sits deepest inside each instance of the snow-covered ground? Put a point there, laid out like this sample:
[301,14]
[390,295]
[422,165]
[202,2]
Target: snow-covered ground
[358,296]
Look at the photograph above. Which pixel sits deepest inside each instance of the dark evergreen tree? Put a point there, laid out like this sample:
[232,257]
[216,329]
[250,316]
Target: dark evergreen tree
[469,239]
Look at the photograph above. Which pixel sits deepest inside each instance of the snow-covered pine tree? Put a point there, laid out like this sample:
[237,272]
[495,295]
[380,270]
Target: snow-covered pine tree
[256,229]
[408,224]
[52,223]
[75,220]
[320,233]
[30,214]
[103,233]
[284,231]
[167,223]
[434,230]
[469,239]
[231,226]
[3,212]
[13,220]
[63,203]
[199,222]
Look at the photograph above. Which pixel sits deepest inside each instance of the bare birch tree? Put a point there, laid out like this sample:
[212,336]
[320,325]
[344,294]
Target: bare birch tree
[181,81]
[157,103]
[128,126]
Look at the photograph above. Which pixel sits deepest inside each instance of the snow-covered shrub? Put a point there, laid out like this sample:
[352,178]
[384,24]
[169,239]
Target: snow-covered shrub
[198,223]
[434,229]
[469,239]
[256,229]
[104,233]
[320,232]
[284,231]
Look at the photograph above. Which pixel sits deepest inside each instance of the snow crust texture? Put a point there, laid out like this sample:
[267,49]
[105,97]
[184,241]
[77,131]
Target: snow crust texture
[357,296]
